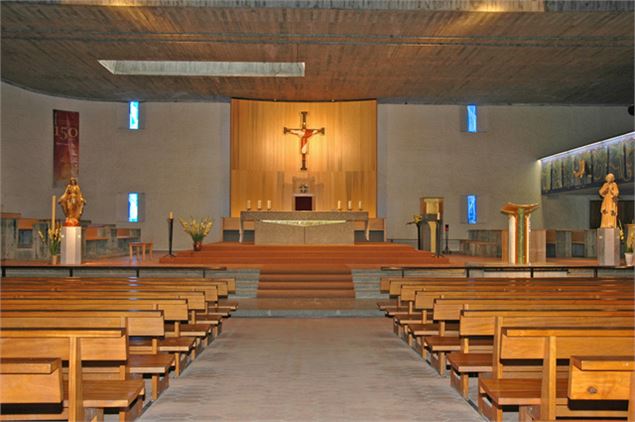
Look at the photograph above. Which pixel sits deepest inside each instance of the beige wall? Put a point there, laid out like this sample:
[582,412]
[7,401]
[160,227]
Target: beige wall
[422,152]
[180,160]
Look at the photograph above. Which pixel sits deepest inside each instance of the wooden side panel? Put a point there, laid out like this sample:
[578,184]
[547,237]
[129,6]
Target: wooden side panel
[342,163]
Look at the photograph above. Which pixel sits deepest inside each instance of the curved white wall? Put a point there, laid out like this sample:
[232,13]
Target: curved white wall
[180,160]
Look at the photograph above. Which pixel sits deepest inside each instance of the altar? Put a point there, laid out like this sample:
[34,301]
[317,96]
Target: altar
[303,227]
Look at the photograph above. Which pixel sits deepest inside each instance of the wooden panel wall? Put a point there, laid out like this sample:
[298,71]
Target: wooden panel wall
[342,164]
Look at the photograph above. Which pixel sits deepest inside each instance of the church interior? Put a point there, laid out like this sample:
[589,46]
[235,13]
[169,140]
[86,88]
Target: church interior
[326,210]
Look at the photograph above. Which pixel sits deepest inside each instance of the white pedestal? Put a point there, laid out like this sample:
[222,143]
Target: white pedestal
[71,245]
[608,246]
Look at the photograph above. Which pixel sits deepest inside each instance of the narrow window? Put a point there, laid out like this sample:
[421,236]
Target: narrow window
[133,115]
[133,207]
[472,215]
[472,118]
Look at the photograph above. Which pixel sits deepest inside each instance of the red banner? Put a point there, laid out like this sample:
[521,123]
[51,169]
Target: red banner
[66,145]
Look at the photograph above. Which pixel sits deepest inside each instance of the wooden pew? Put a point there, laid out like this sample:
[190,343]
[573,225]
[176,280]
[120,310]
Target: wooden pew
[148,324]
[31,381]
[173,310]
[195,301]
[223,286]
[85,399]
[415,294]
[479,324]
[405,290]
[545,397]
[439,344]
[603,378]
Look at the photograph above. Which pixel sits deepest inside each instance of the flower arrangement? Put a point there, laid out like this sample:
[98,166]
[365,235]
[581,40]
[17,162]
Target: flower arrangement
[52,239]
[197,229]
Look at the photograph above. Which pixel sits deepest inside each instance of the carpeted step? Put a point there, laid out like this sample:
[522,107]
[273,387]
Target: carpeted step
[307,285]
[305,293]
[304,268]
[308,276]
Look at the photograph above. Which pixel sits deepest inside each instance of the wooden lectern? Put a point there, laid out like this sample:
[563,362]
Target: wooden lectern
[518,232]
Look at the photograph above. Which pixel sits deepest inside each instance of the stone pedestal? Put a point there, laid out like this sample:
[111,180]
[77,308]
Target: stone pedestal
[71,245]
[608,247]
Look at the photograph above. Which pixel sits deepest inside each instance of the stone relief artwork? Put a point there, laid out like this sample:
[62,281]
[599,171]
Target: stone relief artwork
[629,156]
[545,177]
[616,161]
[568,170]
[588,166]
[556,175]
[600,165]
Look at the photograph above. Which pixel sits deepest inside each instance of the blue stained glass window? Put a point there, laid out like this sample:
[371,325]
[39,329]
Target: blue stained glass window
[472,118]
[133,207]
[133,115]
[472,214]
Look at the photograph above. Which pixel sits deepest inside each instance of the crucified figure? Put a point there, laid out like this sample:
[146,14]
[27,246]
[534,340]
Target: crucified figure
[304,134]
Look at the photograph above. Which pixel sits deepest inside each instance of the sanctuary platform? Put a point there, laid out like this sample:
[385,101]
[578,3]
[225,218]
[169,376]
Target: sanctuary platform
[360,255]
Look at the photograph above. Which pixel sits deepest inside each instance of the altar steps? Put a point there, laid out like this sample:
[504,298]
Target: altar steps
[306,294]
[306,258]
[305,281]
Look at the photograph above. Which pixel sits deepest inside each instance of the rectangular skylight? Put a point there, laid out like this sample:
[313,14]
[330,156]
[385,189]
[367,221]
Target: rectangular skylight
[202,68]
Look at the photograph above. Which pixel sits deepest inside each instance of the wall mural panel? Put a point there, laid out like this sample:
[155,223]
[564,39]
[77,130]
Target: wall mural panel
[588,166]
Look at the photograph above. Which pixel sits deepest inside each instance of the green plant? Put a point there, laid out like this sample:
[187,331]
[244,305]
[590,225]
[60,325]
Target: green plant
[52,239]
[197,229]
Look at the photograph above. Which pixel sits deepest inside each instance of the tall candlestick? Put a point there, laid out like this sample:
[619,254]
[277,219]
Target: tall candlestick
[339,205]
[53,205]
[259,204]
[249,204]
[350,204]
[171,215]
[359,204]
[268,204]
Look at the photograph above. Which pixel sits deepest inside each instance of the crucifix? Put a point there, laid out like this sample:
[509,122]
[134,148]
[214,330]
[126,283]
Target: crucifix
[304,134]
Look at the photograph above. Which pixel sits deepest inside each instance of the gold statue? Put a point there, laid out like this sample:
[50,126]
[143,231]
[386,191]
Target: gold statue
[609,192]
[72,203]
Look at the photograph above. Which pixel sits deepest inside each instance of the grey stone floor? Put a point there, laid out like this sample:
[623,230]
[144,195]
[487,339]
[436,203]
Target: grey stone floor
[309,370]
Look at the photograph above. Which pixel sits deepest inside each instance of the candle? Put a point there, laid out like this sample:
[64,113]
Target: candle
[249,204]
[359,204]
[171,215]
[339,205]
[259,204]
[53,205]
[350,204]
[268,204]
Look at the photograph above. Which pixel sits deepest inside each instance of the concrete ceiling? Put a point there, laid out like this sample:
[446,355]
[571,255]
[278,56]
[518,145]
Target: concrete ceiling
[420,51]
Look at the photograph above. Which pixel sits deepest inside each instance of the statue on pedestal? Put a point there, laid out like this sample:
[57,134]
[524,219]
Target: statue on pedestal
[72,203]
[609,192]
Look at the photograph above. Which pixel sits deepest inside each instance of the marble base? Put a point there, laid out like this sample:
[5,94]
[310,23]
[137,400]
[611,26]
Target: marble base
[608,247]
[71,246]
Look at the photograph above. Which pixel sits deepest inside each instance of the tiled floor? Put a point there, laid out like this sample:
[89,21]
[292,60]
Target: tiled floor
[309,370]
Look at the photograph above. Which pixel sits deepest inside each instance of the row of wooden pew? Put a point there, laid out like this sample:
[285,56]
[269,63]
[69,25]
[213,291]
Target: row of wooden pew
[548,348]
[76,348]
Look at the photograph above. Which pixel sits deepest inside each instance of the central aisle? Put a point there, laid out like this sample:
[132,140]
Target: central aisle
[309,369]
